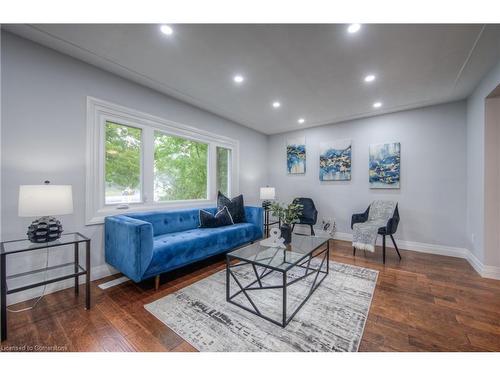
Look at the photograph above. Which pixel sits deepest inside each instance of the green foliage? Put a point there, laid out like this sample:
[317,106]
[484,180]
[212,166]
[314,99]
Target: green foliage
[180,168]
[123,156]
[288,214]
[180,165]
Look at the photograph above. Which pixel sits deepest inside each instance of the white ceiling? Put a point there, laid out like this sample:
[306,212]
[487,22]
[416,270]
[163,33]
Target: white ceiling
[315,71]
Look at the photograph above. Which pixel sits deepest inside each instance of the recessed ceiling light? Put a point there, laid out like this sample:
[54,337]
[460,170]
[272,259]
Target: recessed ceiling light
[301,120]
[370,78]
[166,29]
[377,104]
[276,104]
[238,78]
[354,28]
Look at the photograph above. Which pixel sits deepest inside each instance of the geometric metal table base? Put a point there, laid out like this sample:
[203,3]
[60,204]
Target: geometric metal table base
[310,270]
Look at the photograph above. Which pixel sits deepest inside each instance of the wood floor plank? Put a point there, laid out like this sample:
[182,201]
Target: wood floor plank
[423,303]
[485,341]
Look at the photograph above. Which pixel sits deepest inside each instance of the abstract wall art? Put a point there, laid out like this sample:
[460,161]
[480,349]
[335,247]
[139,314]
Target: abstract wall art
[335,161]
[384,166]
[296,155]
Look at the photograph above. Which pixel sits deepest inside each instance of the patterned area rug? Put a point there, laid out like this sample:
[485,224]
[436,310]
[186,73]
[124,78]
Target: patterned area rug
[333,319]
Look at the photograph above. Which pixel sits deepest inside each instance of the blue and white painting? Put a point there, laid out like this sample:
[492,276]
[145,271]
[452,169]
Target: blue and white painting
[296,156]
[335,161]
[385,166]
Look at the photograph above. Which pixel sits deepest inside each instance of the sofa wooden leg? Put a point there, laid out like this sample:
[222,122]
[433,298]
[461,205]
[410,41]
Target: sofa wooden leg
[353,251]
[157,282]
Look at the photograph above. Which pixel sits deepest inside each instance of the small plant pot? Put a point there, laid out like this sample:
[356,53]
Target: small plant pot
[286,233]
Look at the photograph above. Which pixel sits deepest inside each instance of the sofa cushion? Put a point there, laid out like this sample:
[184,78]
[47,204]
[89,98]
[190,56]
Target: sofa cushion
[174,250]
[235,206]
[220,219]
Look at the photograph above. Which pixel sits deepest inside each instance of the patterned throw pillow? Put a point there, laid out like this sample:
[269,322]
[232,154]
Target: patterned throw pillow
[220,219]
[235,206]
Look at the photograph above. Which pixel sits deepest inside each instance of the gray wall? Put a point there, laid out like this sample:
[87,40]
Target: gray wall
[492,181]
[475,226]
[433,190]
[44,130]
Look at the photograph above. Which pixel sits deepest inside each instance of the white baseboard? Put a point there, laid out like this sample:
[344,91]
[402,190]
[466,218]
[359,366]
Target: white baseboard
[475,263]
[490,272]
[96,273]
[416,246]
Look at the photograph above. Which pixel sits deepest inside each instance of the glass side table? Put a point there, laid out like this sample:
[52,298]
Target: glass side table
[267,223]
[52,274]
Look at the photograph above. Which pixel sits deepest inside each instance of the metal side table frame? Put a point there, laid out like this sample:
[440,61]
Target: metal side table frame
[69,270]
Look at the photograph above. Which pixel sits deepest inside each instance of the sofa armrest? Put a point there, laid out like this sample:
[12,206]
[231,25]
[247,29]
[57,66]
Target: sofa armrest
[255,215]
[128,245]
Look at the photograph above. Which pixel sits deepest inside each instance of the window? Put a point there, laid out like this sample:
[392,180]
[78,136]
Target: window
[123,164]
[223,170]
[136,162]
[180,168]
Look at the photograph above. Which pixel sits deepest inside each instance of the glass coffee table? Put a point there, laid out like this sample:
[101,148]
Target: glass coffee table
[263,276]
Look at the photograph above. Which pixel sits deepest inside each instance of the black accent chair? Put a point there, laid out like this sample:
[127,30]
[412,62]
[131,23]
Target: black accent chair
[309,214]
[388,230]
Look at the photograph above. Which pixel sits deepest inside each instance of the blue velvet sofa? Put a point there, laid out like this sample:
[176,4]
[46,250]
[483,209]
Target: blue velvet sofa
[144,245]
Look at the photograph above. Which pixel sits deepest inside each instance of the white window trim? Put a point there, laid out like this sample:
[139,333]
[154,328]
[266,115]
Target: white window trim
[100,111]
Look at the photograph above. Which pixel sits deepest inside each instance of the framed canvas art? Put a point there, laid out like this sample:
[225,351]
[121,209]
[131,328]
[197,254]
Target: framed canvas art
[384,166]
[296,156]
[335,160]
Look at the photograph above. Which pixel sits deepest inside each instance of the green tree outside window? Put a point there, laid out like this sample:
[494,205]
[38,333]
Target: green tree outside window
[123,146]
[180,168]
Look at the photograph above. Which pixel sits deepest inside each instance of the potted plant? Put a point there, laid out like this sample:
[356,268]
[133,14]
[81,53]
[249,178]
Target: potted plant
[288,215]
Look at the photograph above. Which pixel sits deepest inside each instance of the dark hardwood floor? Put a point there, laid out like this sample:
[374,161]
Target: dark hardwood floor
[423,303]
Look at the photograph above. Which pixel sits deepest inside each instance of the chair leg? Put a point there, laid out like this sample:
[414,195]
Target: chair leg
[293,227]
[157,282]
[312,230]
[396,247]
[383,248]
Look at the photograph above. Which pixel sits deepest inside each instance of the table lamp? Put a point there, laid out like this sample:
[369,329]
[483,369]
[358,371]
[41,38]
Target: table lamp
[267,194]
[44,201]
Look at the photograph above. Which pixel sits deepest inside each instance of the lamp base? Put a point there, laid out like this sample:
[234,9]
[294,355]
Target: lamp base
[44,229]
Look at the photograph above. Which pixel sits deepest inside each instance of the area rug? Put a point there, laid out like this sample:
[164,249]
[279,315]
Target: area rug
[333,318]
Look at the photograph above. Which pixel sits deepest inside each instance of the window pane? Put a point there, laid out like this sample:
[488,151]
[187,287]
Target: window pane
[180,168]
[123,164]
[223,163]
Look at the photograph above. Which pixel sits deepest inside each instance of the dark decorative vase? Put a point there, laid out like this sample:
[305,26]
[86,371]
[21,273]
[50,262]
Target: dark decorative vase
[45,229]
[286,233]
